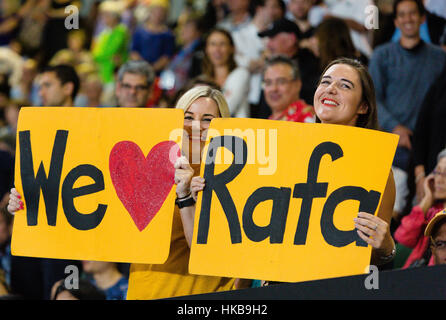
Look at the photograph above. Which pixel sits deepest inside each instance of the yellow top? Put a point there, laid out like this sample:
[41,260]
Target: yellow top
[171,279]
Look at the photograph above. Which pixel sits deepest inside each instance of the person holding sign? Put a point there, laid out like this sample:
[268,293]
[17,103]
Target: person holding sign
[345,96]
[201,104]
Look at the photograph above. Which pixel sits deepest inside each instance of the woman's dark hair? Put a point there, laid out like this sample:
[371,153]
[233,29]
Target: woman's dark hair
[207,67]
[334,41]
[369,120]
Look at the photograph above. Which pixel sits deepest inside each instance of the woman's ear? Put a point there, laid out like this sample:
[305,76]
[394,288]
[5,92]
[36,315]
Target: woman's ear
[363,108]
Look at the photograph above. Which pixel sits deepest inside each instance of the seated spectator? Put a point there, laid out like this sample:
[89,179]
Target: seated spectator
[154,42]
[182,66]
[110,47]
[429,136]
[250,47]
[5,251]
[238,17]
[354,13]
[84,291]
[106,277]
[283,39]
[298,11]
[219,65]
[436,232]
[410,233]
[27,88]
[76,53]
[332,40]
[282,83]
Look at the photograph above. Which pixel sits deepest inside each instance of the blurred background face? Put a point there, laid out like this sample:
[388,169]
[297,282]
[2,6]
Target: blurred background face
[283,43]
[218,49]
[238,5]
[408,19]
[132,91]
[280,88]
[440,179]
[52,92]
[300,8]
[274,11]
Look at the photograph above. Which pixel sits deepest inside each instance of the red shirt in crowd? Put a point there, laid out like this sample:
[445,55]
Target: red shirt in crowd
[298,111]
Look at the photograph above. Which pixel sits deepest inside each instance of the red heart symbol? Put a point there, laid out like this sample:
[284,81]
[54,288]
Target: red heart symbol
[142,184]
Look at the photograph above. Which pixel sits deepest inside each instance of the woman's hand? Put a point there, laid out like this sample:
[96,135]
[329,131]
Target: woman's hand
[428,198]
[372,229]
[197,184]
[15,203]
[183,176]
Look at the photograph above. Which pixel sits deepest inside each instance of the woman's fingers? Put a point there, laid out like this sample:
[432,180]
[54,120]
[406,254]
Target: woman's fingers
[371,229]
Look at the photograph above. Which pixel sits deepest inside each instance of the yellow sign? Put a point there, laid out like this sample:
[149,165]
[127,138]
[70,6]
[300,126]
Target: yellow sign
[98,183]
[280,199]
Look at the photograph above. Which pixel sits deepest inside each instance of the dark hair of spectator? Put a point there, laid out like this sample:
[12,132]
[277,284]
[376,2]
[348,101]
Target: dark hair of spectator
[420,6]
[65,74]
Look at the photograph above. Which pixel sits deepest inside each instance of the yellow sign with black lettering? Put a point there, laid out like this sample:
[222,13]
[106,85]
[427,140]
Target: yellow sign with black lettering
[97,183]
[280,199]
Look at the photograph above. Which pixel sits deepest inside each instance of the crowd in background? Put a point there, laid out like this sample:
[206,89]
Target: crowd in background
[266,56]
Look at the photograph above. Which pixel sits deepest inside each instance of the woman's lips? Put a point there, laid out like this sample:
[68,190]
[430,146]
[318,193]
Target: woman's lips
[329,102]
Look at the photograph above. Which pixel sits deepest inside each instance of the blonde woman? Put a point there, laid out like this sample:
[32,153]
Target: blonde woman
[201,104]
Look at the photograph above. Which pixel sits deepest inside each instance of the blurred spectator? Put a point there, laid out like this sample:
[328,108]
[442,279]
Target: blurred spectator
[54,37]
[59,86]
[8,132]
[154,42]
[5,250]
[281,84]
[238,17]
[354,13]
[110,47]
[429,136]
[220,66]
[298,11]
[134,84]
[250,48]
[84,291]
[395,69]
[76,53]
[31,29]
[432,27]
[332,40]
[283,39]
[214,13]
[386,25]
[27,89]
[92,91]
[411,231]
[186,62]
[436,231]
[106,277]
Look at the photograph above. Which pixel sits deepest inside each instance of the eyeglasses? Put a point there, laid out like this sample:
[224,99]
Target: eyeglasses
[278,82]
[439,173]
[138,88]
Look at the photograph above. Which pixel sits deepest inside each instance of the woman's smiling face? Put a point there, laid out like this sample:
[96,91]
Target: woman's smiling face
[338,98]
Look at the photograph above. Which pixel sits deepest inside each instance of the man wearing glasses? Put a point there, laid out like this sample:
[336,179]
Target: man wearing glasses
[281,87]
[135,84]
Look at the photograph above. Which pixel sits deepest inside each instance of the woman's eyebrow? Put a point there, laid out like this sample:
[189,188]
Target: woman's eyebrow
[204,115]
[342,79]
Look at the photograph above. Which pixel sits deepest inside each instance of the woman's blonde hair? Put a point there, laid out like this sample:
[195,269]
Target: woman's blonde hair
[185,101]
